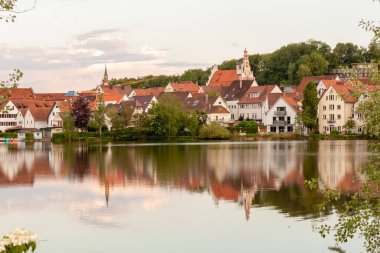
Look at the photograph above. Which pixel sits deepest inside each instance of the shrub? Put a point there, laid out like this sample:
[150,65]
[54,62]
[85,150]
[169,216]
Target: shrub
[214,131]
[249,127]
[29,136]
[334,133]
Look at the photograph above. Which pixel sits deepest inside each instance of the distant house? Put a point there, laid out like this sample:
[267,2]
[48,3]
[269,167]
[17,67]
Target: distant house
[255,103]
[17,93]
[357,70]
[114,89]
[215,107]
[184,86]
[282,116]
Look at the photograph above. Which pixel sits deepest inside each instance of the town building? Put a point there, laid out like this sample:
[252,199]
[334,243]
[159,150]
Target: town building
[336,107]
[226,77]
[282,116]
[357,70]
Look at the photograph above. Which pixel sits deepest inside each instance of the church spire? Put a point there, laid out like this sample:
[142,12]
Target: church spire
[105,79]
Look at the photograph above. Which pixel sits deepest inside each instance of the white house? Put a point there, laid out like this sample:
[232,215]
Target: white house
[282,116]
[8,115]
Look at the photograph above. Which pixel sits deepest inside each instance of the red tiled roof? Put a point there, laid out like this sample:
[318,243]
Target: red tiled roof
[236,90]
[117,89]
[315,79]
[155,91]
[112,97]
[218,110]
[223,78]
[18,93]
[346,91]
[185,86]
[50,96]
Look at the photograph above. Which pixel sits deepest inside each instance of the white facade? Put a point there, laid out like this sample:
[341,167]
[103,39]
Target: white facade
[333,112]
[281,117]
[8,116]
[25,121]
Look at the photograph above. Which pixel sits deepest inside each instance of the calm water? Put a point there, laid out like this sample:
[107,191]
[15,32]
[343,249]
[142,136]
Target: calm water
[214,197]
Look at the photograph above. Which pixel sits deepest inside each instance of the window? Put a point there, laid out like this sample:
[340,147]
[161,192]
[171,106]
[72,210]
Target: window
[338,107]
[324,108]
[324,116]
[273,129]
[339,116]
[331,107]
[288,120]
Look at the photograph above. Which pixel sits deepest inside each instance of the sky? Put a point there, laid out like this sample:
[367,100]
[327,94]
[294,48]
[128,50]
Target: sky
[63,45]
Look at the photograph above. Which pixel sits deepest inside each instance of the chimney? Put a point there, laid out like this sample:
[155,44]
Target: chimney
[206,98]
[241,83]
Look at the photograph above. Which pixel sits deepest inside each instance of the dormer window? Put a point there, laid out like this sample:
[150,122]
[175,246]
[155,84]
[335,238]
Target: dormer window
[254,95]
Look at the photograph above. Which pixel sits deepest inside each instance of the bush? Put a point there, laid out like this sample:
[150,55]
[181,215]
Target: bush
[334,133]
[29,136]
[249,127]
[8,135]
[57,137]
[214,131]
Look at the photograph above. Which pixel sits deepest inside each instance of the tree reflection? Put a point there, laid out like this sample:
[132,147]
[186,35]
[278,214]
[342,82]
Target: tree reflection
[359,212]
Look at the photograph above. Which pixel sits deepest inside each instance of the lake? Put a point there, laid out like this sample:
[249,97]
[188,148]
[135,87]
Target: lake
[188,197]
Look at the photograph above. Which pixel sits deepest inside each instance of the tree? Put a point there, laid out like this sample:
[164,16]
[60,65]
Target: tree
[98,119]
[312,64]
[369,108]
[166,117]
[119,121]
[310,107]
[69,129]
[348,53]
[350,125]
[81,113]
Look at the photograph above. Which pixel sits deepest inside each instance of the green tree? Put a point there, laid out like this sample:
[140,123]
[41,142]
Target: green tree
[196,76]
[369,108]
[69,130]
[310,107]
[98,119]
[166,116]
[348,53]
[350,125]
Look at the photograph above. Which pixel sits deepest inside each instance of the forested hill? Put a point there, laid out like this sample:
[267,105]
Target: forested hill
[286,65]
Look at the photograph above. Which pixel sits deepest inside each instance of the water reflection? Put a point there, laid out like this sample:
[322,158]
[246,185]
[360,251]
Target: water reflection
[248,174]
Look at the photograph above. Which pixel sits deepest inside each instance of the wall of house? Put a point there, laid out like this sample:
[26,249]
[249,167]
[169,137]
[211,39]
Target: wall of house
[339,110]
[289,113]
[234,109]
[52,116]
[169,88]
[219,117]
[28,120]
[40,124]
[251,111]
[8,116]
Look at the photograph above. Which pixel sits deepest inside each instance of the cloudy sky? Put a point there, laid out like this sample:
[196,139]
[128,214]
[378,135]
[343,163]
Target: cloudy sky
[63,44]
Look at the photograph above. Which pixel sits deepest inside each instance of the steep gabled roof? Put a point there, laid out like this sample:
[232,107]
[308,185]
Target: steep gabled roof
[315,79]
[142,101]
[261,91]
[345,91]
[236,90]
[223,77]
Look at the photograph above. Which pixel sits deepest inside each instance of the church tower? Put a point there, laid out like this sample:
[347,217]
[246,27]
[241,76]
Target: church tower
[247,73]
[105,79]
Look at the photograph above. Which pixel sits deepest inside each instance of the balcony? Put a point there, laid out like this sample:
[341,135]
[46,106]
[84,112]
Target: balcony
[280,113]
[331,121]
[279,122]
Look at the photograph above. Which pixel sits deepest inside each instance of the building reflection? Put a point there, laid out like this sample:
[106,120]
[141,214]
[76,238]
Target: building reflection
[256,174]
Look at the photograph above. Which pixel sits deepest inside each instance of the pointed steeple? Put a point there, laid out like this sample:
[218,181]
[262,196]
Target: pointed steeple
[105,79]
